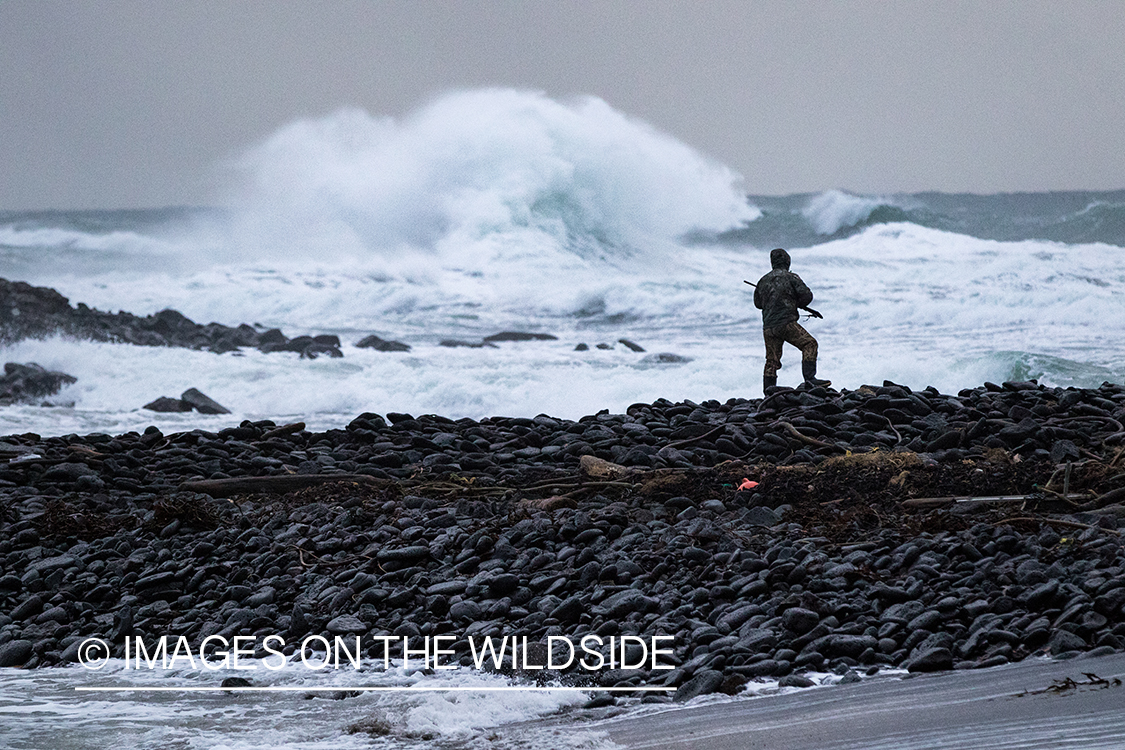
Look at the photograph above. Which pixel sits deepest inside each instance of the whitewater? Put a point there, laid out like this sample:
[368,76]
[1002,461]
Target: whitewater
[500,210]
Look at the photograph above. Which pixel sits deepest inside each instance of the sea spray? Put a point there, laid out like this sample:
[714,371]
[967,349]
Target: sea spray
[477,165]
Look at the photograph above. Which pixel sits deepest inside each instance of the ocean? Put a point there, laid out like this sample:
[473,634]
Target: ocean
[495,210]
[498,210]
[44,708]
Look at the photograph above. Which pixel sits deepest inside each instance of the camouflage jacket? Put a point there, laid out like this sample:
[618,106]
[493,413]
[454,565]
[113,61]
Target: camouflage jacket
[778,295]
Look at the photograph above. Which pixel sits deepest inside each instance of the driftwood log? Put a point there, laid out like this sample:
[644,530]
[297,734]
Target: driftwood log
[273,485]
[806,439]
[933,502]
[698,438]
[287,429]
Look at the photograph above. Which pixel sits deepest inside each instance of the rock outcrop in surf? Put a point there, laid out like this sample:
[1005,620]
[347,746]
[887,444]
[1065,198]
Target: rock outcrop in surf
[26,383]
[33,312]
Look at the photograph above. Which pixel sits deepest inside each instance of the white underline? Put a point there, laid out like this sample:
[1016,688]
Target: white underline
[369,689]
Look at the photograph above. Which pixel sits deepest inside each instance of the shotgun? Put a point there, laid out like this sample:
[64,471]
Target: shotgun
[809,310]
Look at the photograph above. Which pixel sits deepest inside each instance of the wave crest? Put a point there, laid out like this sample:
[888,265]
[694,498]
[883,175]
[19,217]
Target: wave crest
[475,165]
[834,210]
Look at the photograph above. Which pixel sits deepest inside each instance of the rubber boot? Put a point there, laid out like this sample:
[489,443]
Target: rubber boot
[768,381]
[808,369]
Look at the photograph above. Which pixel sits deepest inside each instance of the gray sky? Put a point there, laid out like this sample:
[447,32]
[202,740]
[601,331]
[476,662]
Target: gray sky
[132,103]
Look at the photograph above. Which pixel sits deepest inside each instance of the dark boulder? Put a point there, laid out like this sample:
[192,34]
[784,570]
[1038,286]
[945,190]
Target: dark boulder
[166,404]
[796,681]
[520,336]
[1062,641]
[271,337]
[297,344]
[459,344]
[931,660]
[30,607]
[29,382]
[28,311]
[201,403]
[382,345]
[15,653]
[315,349]
[665,358]
[704,682]
[799,620]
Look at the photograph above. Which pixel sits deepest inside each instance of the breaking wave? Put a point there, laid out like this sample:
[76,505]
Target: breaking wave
[1075,217]
[834,210]
[481,175]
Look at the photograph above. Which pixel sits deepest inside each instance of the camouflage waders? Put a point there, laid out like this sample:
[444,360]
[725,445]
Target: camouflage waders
[796,335]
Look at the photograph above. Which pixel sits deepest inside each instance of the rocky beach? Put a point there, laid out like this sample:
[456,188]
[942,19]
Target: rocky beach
[808,531]
[396,384]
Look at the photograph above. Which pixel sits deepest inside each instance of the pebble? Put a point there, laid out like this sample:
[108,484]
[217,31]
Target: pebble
[100,536]
[15,653]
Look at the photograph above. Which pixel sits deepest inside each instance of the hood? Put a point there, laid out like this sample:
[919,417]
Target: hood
[779,259]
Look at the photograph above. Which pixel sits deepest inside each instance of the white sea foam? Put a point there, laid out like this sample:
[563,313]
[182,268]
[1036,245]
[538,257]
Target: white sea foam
[901,302]
[41,708]
[114,381]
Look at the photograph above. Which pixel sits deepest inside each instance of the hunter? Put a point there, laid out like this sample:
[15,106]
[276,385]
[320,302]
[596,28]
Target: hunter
[779,294]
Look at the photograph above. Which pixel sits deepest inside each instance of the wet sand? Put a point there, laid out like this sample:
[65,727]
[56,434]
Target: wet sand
[951,710]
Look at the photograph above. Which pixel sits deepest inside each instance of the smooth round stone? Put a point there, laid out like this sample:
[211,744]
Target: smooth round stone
[346,624]
[799,620]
